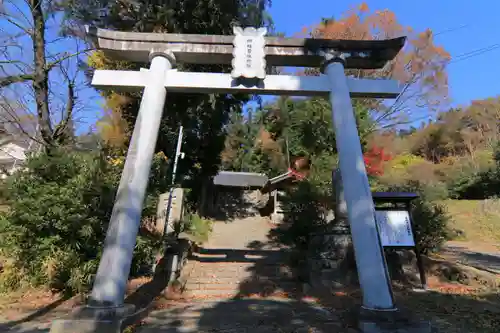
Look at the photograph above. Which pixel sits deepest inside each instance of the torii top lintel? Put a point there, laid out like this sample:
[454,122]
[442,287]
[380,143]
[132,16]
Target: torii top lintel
[218,49]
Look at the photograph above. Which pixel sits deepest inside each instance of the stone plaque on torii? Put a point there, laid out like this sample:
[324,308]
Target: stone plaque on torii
[250,52]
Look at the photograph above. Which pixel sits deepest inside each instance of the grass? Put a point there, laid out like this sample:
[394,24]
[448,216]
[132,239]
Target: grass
[479,220]
[198,227]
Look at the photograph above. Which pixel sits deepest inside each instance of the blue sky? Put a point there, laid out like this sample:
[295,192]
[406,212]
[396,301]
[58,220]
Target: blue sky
[474,78]
[465,25]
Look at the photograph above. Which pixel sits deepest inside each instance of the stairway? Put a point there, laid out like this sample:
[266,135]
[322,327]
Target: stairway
[237,283]
[243,316]
[239,273]
[238,262]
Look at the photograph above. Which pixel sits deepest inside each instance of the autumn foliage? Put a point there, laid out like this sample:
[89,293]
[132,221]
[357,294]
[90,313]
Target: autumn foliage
[420,66]
[375,159]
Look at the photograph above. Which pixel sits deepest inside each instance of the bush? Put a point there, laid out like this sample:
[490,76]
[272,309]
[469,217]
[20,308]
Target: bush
[472,181]
[406,169]
[198,227]
[59,210]
[304,213]
[431,225]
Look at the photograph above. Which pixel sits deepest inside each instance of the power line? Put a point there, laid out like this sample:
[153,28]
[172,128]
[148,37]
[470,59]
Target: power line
[474,53]
[469,54]
[451,29]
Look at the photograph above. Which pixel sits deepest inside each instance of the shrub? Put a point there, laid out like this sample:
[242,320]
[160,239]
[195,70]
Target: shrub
[198,227]
[304,213]
[431,225]
[410,169]
[59,210]
[477,178]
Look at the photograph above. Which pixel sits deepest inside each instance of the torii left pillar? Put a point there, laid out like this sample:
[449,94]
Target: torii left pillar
[106,311]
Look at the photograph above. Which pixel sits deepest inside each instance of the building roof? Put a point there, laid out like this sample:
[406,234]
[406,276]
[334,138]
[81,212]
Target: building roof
[240,179]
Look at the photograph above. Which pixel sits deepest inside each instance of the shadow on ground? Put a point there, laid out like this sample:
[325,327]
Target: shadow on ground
[244,315]
[229,204]
[324,312]
[486,261]
[450,307]
[39,320]
[273,299]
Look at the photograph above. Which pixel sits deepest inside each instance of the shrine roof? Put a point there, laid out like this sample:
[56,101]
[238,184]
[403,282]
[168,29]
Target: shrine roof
[380,197]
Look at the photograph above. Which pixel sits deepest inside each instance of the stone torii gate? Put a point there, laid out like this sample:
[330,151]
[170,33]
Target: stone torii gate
[250,53]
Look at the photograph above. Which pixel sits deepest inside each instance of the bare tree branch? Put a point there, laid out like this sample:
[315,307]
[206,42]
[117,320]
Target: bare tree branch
[52,64]
[70,104]
[8,80]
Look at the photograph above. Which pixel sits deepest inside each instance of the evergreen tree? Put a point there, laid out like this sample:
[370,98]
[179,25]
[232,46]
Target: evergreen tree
[203,115]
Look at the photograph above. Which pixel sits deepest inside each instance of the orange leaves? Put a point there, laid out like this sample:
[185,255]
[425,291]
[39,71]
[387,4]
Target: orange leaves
[421,65]
[442,52]
[266,142]
[425,34]
[456,289]
[349,27]
[363,8]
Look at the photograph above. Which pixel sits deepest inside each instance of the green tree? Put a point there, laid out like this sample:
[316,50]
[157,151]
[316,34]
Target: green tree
[203,115]
[288,128]
[59,209]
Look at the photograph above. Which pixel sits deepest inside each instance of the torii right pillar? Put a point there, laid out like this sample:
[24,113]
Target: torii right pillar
[370,261]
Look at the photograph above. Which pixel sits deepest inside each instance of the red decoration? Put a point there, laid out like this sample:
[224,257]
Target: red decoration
[297,175]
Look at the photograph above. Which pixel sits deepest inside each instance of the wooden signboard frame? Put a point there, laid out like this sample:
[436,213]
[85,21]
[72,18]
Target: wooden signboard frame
[398,201]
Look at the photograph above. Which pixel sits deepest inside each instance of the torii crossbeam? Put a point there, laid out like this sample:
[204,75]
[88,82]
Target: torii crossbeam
[189,82]
[250,53]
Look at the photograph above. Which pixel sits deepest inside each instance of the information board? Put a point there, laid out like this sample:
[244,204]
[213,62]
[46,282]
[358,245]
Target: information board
[394,228]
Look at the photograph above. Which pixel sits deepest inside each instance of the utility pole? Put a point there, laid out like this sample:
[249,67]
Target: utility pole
[178,154]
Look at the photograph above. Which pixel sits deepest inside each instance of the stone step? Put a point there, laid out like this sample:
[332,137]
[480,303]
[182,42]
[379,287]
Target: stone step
[260,328]
[238,264]
[222,286]
[241,272]
[241,308]
[242,315]
[231,292]
[214,280]
[211,293]
[211,286]
[234,280]
[248,257]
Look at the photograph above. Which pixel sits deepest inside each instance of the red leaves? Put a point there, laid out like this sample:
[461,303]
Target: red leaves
[375,159]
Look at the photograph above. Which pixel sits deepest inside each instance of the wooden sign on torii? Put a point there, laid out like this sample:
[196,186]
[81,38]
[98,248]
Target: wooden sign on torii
[165,50]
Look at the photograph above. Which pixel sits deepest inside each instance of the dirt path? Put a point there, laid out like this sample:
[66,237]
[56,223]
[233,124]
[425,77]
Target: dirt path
[33,311]
[481,256]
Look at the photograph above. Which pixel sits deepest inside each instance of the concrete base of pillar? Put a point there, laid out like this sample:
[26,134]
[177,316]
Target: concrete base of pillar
[96,319]
[395,321]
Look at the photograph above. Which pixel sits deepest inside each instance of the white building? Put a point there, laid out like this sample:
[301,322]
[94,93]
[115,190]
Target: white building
[12,157]
[14,147]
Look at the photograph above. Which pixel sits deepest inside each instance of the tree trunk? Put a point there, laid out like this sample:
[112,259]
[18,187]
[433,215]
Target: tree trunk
[41,74]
